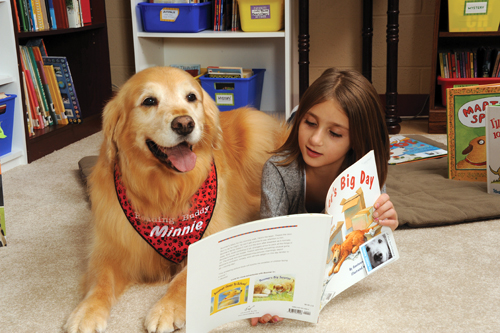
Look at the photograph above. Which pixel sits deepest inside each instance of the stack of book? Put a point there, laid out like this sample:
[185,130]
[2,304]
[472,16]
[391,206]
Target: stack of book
[39,15]
[483,62]
[48,87]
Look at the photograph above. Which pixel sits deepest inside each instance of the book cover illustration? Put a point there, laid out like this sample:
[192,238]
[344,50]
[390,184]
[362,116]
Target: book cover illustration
[276,287]
[466,119]
[493,148]
[66,86]
[404,150]
[231,294]
[352,253]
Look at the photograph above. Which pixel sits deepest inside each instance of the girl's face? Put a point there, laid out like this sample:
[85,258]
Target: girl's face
[324,135]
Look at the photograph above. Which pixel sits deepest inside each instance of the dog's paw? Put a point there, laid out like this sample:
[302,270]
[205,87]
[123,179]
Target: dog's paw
[87,318]
[166,316]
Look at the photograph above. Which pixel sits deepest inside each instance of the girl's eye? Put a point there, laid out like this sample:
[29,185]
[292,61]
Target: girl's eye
[150,101]
[335,134]
[310,123]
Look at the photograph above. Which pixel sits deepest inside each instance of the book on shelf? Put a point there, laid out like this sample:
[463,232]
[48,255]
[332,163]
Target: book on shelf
[258,267]
[35,84]
[225,15]
[229,72]
[56,93]
[61,14]
[405,150]
[66,86]
[74,13]
[193,69]
[493,148]
[466,119]
[38,15]
[480,62]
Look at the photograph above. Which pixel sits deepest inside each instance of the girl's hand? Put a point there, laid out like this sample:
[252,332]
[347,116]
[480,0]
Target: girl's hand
[265,319]
[384,213]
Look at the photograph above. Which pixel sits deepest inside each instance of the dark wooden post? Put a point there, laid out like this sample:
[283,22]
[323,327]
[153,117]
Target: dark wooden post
[391,117]
[303,46]
[367,33]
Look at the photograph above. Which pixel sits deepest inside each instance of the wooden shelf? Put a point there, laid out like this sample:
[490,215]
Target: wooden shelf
[444,40]
[87,52]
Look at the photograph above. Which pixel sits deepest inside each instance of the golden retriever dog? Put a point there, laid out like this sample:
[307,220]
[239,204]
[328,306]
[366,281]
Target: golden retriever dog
[171,169]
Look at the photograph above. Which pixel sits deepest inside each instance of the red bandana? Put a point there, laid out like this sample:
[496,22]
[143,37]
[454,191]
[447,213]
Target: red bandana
[171,237]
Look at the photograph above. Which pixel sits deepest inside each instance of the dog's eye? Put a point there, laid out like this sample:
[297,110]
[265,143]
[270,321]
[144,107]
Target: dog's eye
[150,101]
[380,241]
[191,97]
[368,248]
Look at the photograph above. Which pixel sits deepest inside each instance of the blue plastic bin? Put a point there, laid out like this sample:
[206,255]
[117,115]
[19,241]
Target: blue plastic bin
[175,17]
[231,94]
[7,106]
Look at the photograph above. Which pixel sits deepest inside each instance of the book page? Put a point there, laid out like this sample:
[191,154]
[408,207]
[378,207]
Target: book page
[274,266]
[357,246]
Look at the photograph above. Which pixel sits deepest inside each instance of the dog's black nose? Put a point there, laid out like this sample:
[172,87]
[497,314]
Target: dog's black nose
[183,125]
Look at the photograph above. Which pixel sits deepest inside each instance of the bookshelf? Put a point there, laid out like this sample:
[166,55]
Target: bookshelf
[87,52]
[269,50]
[443,41]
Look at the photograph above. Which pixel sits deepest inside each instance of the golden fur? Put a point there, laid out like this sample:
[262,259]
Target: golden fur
[238,142]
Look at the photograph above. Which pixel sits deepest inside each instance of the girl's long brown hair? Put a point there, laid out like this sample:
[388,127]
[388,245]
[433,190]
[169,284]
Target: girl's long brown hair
[361,103]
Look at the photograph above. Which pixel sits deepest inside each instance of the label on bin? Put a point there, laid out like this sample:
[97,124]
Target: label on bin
[476,7]
[224,99]
[169,14]
[260,12]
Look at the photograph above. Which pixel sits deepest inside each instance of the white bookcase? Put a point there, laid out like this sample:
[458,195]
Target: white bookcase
[11,84]
[274,51]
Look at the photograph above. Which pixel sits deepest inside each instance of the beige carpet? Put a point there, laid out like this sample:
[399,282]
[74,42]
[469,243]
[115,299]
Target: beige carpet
[447,279]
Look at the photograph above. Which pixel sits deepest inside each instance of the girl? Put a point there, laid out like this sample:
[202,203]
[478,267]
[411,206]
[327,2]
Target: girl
[338,121]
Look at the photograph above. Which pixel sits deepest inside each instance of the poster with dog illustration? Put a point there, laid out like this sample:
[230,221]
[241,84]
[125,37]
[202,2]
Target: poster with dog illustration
[466,120]
[493,148]
[292,265]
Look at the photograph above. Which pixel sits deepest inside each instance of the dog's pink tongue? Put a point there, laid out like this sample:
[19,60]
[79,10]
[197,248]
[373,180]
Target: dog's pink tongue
[181,157]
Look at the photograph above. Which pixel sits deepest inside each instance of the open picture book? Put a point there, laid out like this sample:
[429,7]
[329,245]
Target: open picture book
[290,266]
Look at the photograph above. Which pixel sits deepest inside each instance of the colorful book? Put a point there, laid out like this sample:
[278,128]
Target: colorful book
[56,95]
[493,148]
[405,150]
[66,86]
[466,119]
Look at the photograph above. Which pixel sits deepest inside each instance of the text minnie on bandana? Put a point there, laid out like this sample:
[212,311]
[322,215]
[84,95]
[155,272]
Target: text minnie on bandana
[172,237]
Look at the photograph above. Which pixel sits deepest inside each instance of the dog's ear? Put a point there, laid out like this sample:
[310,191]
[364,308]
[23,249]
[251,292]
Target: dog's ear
[213,120]
[111,123]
